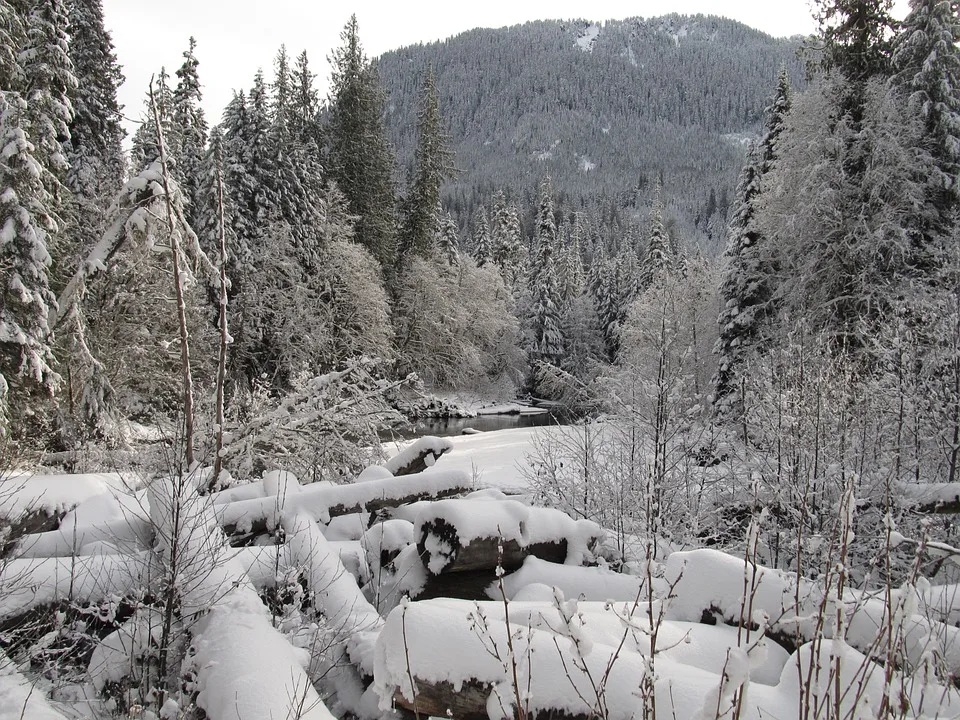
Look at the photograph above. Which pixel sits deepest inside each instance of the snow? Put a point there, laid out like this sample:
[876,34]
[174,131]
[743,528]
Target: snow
[19,699]
[586,583]
[485,517]
[115,657]
[434,446]
[55,494]
[31,582]
[493,459]
[318,499]
[586,164]
[588,37]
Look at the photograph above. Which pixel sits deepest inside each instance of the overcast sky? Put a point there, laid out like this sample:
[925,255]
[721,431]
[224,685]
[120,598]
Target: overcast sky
[235,37]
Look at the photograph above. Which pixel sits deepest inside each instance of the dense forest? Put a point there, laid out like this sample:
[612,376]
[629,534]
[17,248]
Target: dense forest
[731,270]
[605,111]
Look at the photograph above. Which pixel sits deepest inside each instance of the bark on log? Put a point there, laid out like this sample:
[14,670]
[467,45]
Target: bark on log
[245,519]
[439,699]
[442,550]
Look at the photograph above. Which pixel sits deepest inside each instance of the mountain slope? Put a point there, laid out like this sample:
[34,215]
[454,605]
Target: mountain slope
[602,109]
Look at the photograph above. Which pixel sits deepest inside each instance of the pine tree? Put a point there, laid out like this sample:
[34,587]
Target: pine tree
[360,159]
[190,131]
[26,359]
[748,283]
[856,35]
[420,221]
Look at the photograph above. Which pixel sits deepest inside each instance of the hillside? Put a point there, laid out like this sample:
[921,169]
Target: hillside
[602,109]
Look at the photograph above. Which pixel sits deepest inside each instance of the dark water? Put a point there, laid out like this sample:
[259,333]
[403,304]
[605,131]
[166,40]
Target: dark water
[485,423]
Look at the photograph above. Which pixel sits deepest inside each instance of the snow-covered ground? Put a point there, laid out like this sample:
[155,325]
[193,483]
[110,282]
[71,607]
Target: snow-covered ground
[496,459]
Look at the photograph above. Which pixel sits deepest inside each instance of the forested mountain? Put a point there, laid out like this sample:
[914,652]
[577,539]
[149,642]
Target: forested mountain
[602,109]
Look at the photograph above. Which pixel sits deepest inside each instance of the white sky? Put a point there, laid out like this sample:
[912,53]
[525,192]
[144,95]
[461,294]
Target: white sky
[235,37]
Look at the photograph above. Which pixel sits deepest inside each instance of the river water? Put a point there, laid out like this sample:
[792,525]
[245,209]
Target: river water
[484,423]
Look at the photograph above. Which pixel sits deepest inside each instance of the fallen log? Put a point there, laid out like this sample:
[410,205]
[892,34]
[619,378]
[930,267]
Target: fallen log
[444,552]
[482,534]
[247,518]
[931,498]
[419,456]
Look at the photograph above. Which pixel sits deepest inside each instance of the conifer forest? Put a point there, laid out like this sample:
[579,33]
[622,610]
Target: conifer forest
[565,371]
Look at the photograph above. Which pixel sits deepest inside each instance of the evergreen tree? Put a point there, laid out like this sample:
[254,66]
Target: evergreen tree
[659,258]
[49,82]
[190,131]
[748,283]
[94,151]
[305,106]
[26,359]
[145,151]
[506,241]
[13,36]
[420,221]
[545,321]
[856,36]
[481,237]
[449,240]
[926,64]
[360,159]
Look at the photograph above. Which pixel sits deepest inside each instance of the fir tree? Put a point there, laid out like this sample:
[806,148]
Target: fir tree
[449,240]
[420,221]
[505,240]
[749,280]
[26,359]
[305,106]
[659,257]
[926,64]
[96,135]
[481,237]
[360,159]
[190,131]
[545,321]
[145,151]
[49,82]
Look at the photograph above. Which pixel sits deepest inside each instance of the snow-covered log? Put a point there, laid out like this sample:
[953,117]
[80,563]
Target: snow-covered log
[32,504]
[323,501]
[418,456]
[244,667]
[126,535]
[29,583]
[438,659]
[931,498]
[708,584]
[482,533]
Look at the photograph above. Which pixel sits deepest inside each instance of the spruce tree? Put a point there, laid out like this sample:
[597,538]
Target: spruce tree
[305,106]
[361,161]
[420,221]
[659,257]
